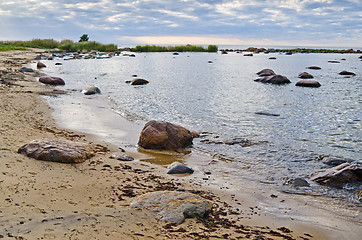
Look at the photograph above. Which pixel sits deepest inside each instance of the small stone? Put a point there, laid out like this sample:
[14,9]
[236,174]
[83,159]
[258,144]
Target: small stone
[305,75]
[179,168]
[51,80]
[91,91]
[26,69]
[139,81]
[314,67]
[346,73]
[40,65]
[122,157]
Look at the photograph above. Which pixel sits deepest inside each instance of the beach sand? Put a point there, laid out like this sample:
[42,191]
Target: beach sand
[90,200]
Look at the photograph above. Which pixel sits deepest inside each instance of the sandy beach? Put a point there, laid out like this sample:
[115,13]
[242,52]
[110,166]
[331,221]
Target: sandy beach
[91,200]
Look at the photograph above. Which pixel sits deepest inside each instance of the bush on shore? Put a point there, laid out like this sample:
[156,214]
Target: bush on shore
[66,45]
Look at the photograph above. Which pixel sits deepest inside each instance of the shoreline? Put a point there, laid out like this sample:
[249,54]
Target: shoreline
[46,191]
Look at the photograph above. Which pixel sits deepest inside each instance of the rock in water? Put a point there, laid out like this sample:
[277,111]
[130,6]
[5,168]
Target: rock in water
[314,67]
[57,150]
[164,136]
[91,90]
[339,175]
[173,207]
[179,168]
[139,81]
[26,69]
[305,75]
[308,83]
[266,72]
[51,80]
[274,79]
[346,73]
[40,65]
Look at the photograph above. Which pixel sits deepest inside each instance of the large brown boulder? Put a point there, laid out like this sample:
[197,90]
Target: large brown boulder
[51,80]
[164,135]
[339,175]
[346,73]
[57,150]
[274,79]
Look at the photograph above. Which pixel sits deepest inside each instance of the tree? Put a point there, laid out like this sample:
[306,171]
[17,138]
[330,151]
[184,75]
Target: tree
[84,38]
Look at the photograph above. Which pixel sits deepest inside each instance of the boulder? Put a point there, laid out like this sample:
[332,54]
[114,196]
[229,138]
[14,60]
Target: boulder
[139,81]
[347,73]
[339,175]
[26,69]
[122,157]
[272,58]
[314,68]
[51,80]
[164,136]
[91,90]
[173,207]
[57,150]
[333,61]
[58,63]
[332,161]
[305,75]
[40,65]
[274,79]
[308,83]
[179,168]
[266,72]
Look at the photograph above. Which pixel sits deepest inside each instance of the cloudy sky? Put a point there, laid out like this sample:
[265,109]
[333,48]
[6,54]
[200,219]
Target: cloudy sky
[221,22]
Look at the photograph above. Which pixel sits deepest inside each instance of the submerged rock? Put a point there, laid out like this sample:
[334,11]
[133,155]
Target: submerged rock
[179,168]
[266,72]
[308,83]
[139,81]
[333,61]
[57,150]
[305,75]
[339,175]
[267,114]
[26,69]
[274,79]
[332,161]
[91,90]
[51,80]
[164,136]
[173,207]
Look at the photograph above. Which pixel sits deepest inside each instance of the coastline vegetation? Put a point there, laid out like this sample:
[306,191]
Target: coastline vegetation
[182,48]
[65,45]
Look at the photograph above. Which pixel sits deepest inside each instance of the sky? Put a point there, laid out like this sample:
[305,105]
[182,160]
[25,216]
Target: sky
[334,23]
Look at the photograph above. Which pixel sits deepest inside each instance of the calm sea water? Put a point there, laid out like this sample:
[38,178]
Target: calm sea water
[220,99]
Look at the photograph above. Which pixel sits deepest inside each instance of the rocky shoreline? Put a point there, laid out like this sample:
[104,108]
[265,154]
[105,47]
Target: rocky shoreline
[93,198]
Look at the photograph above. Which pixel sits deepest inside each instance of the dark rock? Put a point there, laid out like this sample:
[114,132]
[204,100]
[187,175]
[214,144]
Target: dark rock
[347,73]
[331,161]
[91,90]
[57,150]
[164,135]
[122,157]
[173,207]
[139,81]
[314,67]
[305,75]
[266,72]
[26,69]
[134,75]
[275,79]
[297,182]
[360,57]
[272,58]
[179,168]
[333,61]
[51,80]
[339,175]
[267,114]
[224,52]
[58,63]
[288,53]
[175,53]
[308,83]
[40,65]
[209,61]
[359,196]
[132,55]
[248,55]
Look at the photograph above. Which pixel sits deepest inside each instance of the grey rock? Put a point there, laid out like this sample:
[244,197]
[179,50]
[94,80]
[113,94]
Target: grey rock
[305,75]
[57,150]
[307,83]
[179,168]
[122,157]
[40,65]
[51,80]
[332,161]
[26,69]
[297,182]
[173,207]
[91,90]
[266,72]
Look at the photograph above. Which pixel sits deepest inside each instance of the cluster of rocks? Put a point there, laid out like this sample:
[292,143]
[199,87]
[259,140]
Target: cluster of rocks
[289,51]
[269,76]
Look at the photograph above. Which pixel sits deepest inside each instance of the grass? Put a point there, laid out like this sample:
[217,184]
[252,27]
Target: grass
[66,45]
[182,48]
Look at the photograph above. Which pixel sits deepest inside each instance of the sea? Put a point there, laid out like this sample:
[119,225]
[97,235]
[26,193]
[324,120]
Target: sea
[265,133]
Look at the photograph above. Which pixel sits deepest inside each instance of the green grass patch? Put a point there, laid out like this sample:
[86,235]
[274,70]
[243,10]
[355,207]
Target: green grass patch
[7,47]
[182,48]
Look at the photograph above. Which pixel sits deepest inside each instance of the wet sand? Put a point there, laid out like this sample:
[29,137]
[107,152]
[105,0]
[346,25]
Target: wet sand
[90,200]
